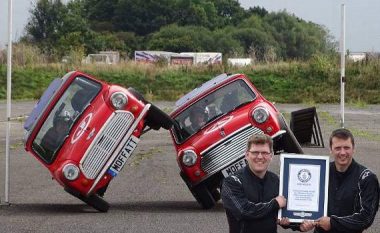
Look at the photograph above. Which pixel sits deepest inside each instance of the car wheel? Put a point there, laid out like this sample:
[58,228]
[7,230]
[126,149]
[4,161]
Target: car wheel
[137,94]
[216,195]
[288,141]
[102,191]
[156,119]
[93,200]
[203,196]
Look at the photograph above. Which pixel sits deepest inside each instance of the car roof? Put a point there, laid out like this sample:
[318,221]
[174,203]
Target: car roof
[45,100]
[202,89]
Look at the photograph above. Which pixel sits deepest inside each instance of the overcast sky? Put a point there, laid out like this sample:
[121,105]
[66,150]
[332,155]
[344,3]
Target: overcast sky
[362,18]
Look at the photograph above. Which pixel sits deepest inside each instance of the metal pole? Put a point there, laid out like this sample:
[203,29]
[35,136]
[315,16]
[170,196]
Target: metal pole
[9,72]
[342,64]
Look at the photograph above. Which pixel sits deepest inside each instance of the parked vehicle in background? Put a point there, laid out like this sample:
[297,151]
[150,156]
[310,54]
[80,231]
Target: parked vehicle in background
[213,122]
[84,130]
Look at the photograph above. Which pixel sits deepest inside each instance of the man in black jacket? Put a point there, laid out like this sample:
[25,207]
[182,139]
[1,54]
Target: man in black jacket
[250,196]
[353,190]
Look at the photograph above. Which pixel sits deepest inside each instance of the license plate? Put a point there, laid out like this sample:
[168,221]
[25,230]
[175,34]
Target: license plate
[123,156]
[234,167]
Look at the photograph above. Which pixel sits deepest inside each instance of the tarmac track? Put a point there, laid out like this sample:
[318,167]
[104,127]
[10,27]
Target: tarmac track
[148,195]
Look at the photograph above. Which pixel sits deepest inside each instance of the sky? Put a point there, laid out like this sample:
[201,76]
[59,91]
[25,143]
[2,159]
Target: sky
[362,18]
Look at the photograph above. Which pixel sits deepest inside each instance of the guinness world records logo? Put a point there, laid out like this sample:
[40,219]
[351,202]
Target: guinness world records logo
[304,175]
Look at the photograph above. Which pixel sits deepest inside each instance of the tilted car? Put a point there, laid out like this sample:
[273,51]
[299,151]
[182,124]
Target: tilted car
[212,124]
[84,130]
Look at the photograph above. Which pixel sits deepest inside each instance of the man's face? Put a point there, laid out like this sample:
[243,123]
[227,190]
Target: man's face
[258,157]
[199,119]
[342,150]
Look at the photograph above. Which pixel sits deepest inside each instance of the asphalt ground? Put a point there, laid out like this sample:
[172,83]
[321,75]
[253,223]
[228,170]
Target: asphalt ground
[148,195]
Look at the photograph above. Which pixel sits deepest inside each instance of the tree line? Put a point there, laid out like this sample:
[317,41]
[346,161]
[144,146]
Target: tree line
[89,26]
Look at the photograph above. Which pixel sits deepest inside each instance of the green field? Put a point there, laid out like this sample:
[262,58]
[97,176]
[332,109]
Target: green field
[315,81]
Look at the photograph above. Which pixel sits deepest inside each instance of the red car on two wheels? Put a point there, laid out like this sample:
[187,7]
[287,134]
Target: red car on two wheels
[84,130]
[213,122]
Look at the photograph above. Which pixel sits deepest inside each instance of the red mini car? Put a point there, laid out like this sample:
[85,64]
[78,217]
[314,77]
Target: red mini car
[213,122]
[84,130]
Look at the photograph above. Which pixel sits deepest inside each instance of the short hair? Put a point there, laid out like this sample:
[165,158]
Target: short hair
[196,111]
[260,139]
[344,134]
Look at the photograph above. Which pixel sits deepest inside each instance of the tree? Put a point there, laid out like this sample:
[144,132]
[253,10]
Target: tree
[179,39]
[45,23]
[100,14]
[230,12]
[224,42]
[252,38]
[56,27]
[143,17]
[296,38]
[131,42]
[172,25]
[260,11]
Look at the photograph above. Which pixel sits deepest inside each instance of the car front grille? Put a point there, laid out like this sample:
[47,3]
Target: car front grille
[228,150]
[105,143]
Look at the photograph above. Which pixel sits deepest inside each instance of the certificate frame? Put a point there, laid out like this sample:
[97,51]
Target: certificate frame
[304,181]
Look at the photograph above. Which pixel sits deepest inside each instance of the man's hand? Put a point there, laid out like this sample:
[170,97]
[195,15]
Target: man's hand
[281,201]
[324,223]
[307,225]
[283,221]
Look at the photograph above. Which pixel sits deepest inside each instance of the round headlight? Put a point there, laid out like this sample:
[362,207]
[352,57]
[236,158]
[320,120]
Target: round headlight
[70,171]
[189,158]
[260,115]
[119,100]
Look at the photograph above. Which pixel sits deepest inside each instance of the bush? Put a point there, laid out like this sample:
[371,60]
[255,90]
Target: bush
[316,81]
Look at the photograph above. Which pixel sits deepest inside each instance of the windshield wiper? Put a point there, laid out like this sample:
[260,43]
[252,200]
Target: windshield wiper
[225,113]
[214,117]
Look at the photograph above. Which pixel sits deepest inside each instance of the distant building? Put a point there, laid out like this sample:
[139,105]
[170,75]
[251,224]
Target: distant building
[373,55]
[181,60]
[356,56]
[153,56]
[97,58]
[188,58]
[239,61]
[208,58]
[103,57]
[114,56]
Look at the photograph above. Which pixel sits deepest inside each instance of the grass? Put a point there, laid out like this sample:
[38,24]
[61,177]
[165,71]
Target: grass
[358,104]
[308,82]
[328,118]
[365,134]
[331,121]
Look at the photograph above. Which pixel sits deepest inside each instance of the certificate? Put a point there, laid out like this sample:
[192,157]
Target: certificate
[304,183]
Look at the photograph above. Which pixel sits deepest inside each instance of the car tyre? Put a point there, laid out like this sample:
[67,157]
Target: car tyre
[156,118]
[216,195]
[203,196]
[289,141]
[93,200]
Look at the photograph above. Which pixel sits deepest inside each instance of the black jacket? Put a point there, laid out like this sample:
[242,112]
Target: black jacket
[249,202]
[353,199]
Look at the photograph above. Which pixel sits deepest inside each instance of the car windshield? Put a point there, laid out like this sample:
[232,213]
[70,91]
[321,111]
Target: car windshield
[64,114]
[211,107]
